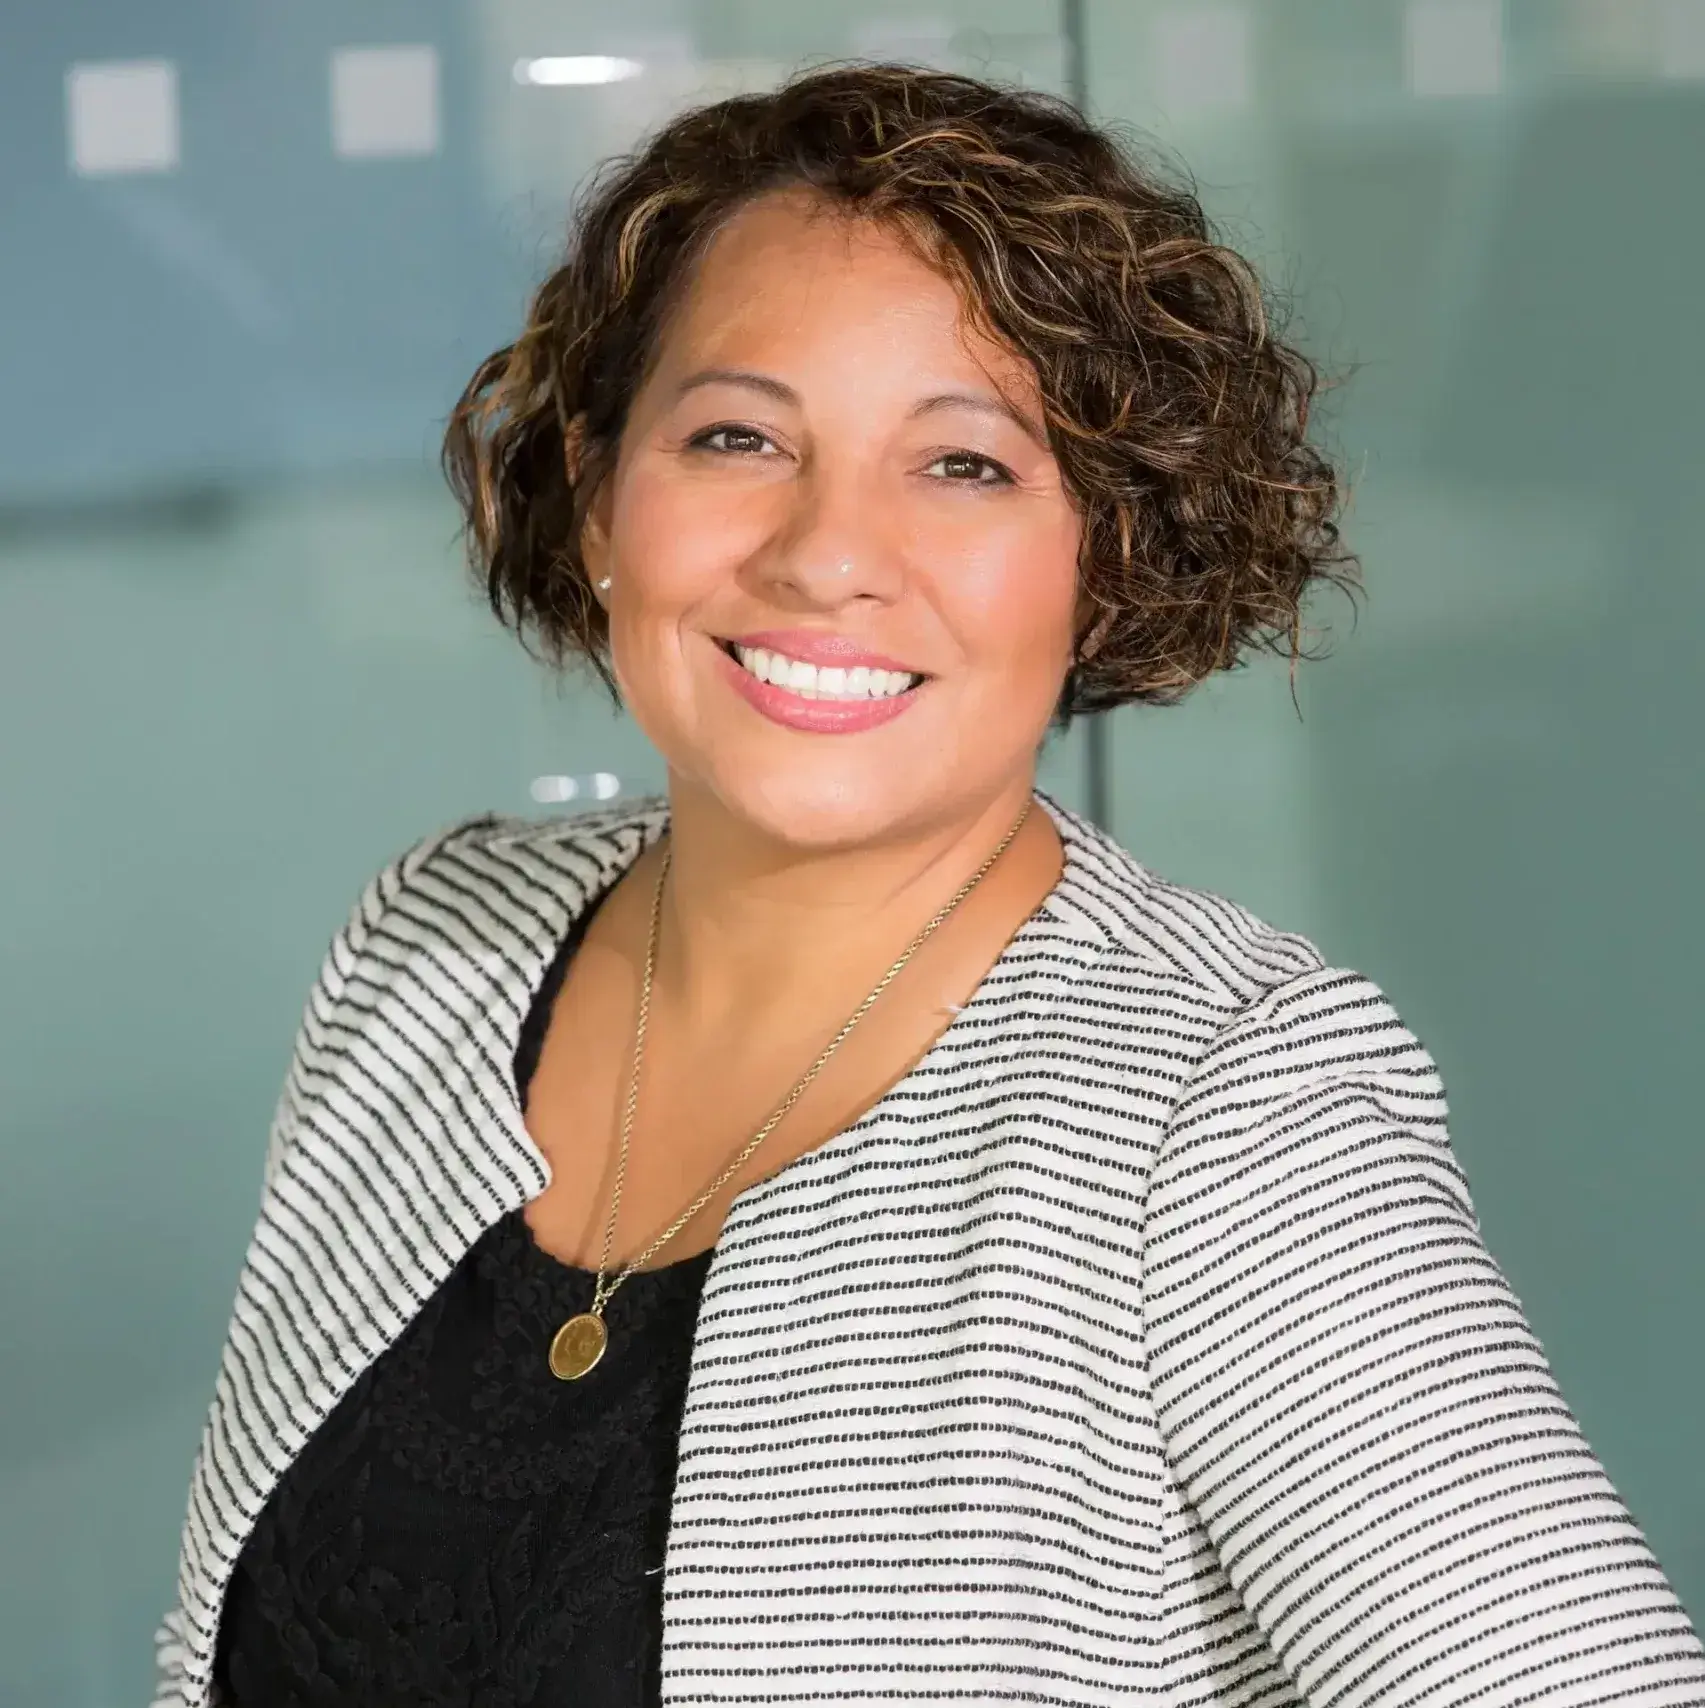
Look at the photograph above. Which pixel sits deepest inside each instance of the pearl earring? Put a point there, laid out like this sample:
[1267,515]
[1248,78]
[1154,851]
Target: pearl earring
[604,585]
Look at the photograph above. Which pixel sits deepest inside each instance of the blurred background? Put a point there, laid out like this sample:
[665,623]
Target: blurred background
[248,255]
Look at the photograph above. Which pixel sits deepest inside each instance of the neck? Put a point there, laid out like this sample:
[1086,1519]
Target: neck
[752,924]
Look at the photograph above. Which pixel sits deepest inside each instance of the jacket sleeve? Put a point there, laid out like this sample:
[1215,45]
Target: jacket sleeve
[1353,1402]
[182,1640]
[317,1035]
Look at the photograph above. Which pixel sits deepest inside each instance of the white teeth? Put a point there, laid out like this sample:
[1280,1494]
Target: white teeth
[832,682]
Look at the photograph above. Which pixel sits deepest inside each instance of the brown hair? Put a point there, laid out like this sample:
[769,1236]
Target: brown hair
[1178,417]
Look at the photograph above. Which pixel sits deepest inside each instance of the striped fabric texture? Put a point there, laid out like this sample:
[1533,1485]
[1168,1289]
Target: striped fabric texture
[1139,1344]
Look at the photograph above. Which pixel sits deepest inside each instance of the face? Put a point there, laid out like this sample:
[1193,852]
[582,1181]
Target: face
[842,559]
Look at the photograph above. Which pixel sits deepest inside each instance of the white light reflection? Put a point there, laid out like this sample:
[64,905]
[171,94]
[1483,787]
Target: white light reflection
[1454,47]
[1681,39]
[1202,58]
[384,102]
[122,116]
[600,786]
[576,70]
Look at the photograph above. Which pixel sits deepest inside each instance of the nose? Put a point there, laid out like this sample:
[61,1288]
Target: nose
[826,578]
[829,583]
[833,557]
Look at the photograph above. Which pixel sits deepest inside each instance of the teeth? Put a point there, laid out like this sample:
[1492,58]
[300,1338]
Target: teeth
[831,682]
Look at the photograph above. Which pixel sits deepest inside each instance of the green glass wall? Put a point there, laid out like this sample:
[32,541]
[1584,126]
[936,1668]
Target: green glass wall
[251,253]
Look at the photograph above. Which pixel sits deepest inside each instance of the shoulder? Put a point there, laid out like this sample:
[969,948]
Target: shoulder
[1155,930]
[1252,1013]
[477,880]
[493,855]
[609,835]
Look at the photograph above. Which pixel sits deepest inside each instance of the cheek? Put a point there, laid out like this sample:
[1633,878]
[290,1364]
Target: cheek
[1016,607]
[656,553]
[669,558]
[674,551]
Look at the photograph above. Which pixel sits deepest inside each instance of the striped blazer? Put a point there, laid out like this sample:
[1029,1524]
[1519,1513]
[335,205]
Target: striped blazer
[1140,1343]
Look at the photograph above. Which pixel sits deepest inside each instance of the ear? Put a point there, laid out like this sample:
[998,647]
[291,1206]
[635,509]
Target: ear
[595,552]
[595,520]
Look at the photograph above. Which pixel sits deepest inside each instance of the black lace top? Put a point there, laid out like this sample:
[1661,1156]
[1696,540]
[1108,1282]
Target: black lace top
[464,1530]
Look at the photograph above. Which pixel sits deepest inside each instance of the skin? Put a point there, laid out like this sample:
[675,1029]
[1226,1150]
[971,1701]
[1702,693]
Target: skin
[803,864]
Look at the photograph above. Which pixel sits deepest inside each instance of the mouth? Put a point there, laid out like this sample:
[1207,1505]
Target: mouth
[855,685]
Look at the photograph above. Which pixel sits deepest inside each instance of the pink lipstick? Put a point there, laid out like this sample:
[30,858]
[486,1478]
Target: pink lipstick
[847,688]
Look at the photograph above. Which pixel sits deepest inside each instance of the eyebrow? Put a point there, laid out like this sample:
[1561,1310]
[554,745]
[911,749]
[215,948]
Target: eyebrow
[981,403]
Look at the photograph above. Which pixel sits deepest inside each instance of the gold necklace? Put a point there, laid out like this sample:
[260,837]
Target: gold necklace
[580,1342]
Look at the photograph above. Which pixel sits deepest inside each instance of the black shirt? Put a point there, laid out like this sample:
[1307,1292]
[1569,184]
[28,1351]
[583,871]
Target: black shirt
[464,1530]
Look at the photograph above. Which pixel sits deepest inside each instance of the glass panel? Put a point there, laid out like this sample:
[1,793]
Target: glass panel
[240,667]
[238,663]
[1492,805]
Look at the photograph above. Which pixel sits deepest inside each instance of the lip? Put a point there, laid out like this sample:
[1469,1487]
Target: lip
[812,646]
[813,717]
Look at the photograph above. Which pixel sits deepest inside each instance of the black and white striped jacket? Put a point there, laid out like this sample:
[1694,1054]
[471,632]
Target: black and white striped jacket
[1140,1343]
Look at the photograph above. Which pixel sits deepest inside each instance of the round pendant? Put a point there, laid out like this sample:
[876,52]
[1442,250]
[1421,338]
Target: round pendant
[577,1346]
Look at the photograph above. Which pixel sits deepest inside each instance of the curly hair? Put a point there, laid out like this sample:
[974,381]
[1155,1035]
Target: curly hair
[1177,416]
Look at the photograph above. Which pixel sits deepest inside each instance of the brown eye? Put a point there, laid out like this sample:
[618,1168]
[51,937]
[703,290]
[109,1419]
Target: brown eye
[742,441]
[966,468]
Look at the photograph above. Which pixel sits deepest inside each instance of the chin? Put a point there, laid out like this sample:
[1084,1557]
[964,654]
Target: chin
[821,808]
[825,792]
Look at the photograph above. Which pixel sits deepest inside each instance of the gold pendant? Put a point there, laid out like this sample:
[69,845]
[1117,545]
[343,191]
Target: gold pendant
[577,1346]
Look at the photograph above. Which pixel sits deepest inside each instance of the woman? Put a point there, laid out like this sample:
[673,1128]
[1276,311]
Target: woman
[850,1232]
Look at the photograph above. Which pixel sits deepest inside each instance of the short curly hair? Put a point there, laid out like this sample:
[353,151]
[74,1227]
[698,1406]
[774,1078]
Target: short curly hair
[1177,416]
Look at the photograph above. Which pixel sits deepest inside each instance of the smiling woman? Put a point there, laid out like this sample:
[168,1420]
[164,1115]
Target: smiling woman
[1100,321]
[1067,1288]
[821,465]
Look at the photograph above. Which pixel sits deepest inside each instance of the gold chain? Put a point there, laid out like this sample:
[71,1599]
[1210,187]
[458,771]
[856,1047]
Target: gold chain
[602,1292]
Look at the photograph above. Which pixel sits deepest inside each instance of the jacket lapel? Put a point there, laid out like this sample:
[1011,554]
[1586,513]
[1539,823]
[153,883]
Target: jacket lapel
[879,1321]
[403,1142]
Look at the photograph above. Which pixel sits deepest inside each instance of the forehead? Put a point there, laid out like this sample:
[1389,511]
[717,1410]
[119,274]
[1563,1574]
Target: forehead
[791,269]
[807,229]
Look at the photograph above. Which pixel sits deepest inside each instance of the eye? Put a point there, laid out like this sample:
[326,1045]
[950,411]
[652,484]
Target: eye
[742,441]
[966,468]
